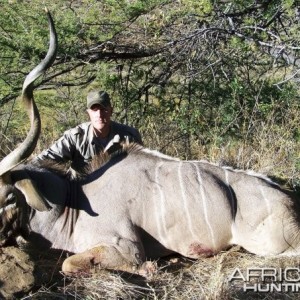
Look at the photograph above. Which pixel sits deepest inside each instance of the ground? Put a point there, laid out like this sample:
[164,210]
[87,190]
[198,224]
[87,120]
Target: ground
[37,276]
[24,272]
[16,273]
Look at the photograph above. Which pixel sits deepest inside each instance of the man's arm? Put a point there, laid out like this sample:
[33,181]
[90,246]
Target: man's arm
[61,151]
[137,137]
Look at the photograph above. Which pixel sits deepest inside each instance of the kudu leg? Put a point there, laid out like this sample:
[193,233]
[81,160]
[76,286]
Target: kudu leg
[105,257]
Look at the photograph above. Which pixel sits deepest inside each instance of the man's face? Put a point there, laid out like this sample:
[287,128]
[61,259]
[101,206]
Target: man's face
[100,116]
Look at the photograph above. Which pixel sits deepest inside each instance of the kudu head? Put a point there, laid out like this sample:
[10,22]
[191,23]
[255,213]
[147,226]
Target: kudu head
[11,193]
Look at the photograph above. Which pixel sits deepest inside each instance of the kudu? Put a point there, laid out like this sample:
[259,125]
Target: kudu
[139,205]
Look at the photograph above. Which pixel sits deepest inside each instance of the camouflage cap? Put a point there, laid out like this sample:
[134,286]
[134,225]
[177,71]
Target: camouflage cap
[98,97]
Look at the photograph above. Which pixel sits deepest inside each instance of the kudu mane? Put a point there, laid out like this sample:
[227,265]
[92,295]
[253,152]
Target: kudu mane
[103,158]
[62,169]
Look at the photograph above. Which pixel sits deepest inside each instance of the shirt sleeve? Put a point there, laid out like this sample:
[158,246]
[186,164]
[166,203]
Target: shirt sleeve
[137,137]
[133,135]
[62,150]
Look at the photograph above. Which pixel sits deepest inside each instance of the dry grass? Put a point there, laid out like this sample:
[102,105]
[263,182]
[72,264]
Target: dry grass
[177,278]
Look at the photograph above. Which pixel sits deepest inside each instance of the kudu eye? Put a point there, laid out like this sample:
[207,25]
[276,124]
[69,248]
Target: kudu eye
[10,199]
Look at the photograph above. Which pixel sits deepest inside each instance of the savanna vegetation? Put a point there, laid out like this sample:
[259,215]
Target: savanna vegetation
[200,79]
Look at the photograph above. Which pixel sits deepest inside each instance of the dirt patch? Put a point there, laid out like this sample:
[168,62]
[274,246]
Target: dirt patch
[16,273]
[25,271]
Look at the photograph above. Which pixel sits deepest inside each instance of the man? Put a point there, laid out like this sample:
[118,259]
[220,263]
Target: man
[78,145]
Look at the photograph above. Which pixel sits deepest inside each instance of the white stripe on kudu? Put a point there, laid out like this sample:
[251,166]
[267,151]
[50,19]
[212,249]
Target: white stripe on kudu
[204,203]
[160,211]
[265,199]
[185,201]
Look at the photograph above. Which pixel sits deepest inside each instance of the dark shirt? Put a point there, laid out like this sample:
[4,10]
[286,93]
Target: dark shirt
[79,144]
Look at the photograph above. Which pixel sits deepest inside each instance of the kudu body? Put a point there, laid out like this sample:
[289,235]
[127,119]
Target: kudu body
[141,204]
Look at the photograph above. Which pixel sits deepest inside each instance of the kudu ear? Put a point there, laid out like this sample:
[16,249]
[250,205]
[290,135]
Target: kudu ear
[5,179]
[32,195]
